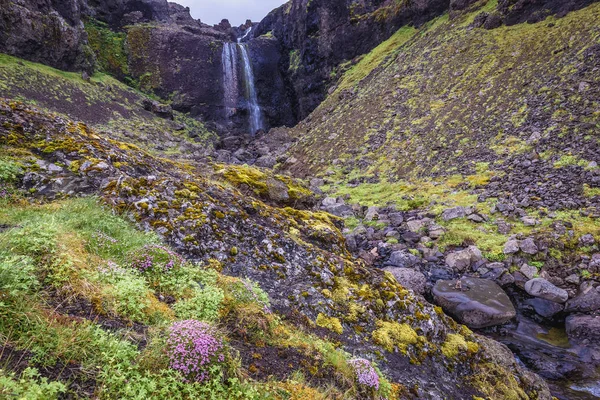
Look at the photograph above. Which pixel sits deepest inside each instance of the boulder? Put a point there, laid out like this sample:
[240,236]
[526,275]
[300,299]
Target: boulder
[461,260]
[372,214]
[543,307]
[402,259]
[587,301]
[409,278]
[528,270]
[587,240]
[477,303]
[543,289]
[528,246]
[583,329]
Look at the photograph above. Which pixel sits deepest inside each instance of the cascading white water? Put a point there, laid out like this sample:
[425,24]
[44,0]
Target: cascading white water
[230,82]
[230,78]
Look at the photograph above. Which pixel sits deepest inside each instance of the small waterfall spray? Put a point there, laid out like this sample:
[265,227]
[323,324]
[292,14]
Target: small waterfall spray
[230,81]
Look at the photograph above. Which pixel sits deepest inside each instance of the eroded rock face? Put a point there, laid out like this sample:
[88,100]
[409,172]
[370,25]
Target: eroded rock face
[477,303]
[45,31]
[318,35]
[584,329]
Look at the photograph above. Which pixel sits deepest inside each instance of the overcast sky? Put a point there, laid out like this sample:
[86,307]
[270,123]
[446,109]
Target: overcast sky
[236,11]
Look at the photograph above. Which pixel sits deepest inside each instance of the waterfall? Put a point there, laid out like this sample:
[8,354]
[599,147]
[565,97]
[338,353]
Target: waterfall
[231,81]
[230,78]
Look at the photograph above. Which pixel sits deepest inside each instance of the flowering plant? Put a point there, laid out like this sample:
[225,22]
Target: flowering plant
[194,350]
[366,375]
[156,257]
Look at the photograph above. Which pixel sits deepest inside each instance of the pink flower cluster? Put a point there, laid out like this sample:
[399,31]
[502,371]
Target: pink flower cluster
[156,256]
[365,373]
[192,349]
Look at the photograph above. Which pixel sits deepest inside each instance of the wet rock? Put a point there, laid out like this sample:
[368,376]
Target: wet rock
[454,213]
[543,307]
[541,288]
[409,278]
[477,303]
[587,301]
[583,329]
[460,260]
[403,259]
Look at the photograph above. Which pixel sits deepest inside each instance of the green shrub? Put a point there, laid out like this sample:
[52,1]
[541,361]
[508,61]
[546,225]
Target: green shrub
[129,297]
[204,305]
[17,275]
[10,171]
[29,386]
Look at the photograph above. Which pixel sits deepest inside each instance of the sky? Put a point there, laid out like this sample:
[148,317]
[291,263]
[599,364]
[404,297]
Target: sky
[236,11]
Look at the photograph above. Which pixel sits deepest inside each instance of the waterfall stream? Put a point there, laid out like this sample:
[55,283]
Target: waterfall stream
[232,53]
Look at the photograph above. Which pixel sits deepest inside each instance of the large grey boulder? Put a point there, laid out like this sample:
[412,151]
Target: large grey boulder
[409,278]
[477,303]
[584,329]
[461,260]
[539,287]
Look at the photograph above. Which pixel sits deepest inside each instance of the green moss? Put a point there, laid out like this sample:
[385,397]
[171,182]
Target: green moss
[109,47]
[497,383]
[331,323]
[456,344]
[393,335]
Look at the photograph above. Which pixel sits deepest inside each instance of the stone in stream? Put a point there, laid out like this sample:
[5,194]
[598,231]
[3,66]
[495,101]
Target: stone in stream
[545,308]
[477,303]
[543,289]
[409,278]
[587,301]
[583,329]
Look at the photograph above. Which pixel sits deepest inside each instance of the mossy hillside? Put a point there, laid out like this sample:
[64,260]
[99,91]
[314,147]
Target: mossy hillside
[470,100]
[206,220]
[109,47]
[86,245]
[104,103]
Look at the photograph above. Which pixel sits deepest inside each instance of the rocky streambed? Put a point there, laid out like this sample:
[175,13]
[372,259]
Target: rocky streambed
[546,310]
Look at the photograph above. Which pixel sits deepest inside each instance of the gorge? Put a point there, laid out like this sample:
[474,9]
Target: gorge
[372,199]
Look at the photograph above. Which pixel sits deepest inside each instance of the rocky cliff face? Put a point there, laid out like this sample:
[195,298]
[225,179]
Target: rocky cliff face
[46,31]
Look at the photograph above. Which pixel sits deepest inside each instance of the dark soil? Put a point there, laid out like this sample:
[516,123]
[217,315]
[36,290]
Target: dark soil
[80,384]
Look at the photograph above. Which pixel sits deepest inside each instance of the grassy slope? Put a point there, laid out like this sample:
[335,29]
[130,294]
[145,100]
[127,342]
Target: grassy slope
[455,96]
[103,103]
[443,109]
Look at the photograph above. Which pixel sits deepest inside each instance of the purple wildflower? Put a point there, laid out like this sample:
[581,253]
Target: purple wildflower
[365,373]
[152,257]
[103,239]
[193,349]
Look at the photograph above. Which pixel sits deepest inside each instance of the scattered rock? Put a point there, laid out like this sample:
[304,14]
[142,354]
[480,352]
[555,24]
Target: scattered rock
[529,271]
[541,288]
[372,214]
[454,213]
[511,247]
[587,240]
[528,246]
[403,259]
[477,303]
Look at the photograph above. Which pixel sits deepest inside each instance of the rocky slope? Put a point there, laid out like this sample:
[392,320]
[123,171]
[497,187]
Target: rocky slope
[298,257]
